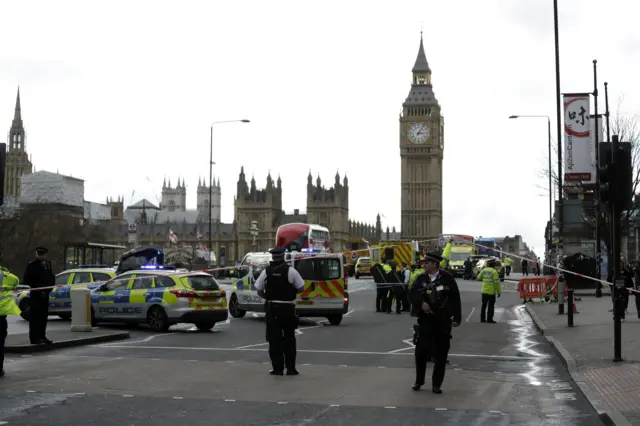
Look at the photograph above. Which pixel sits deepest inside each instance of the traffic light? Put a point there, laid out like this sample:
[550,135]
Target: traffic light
[607,174]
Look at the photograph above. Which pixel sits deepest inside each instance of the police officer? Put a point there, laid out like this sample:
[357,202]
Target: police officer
[39,274]
[7,307]
[383,303]
[435,300]
[279,284]
[490,288]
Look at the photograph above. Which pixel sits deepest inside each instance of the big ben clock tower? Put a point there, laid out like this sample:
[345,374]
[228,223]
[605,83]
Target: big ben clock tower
[421,153]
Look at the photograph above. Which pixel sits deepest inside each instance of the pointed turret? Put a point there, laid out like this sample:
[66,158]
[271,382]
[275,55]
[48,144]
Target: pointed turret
[318,181]
[241,178]
[421,65]
[164,183]
[337,178]
[169,183]
[17,114]
[310,179]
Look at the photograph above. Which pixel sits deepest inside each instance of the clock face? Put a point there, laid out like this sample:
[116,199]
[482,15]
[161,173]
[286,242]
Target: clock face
[418,133]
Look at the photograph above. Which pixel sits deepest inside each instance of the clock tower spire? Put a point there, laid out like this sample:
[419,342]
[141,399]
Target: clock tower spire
[421,154]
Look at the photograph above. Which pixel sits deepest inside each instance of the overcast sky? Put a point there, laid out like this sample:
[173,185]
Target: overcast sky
[122,93]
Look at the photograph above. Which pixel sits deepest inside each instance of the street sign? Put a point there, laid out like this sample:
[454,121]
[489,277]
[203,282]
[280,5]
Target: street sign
[354,256]
[133,228]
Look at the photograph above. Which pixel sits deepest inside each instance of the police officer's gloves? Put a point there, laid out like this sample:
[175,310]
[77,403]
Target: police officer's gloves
[499,296]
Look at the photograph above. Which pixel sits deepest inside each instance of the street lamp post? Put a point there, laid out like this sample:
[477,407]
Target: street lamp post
[550,170]
[211,163]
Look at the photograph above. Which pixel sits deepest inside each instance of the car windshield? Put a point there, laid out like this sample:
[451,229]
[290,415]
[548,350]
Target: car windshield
[202,282]
[459,256]
[364,260]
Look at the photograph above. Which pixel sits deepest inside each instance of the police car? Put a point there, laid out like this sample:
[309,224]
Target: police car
[85,276]
[160,296]
[325,291]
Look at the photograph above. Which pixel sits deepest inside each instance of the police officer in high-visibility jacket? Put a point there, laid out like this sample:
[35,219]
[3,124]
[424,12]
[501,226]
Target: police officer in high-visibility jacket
[490,288]
[279,284]
[7,307]
[382,291]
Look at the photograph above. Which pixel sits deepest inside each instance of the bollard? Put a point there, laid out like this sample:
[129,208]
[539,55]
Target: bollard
[570,307]
[81,309]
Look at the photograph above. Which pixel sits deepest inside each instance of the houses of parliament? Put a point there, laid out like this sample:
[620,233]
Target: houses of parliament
[421,152]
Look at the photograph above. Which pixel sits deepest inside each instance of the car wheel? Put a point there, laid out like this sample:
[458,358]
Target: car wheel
[65,317]
[157,319]
[25,308]
[234,308]
[205,325]
[335,319]
[93,318]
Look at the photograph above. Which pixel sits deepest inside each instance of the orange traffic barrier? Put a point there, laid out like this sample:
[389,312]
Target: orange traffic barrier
[532,288]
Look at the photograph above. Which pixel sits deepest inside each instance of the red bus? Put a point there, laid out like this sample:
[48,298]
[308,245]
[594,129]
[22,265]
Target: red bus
[303,237]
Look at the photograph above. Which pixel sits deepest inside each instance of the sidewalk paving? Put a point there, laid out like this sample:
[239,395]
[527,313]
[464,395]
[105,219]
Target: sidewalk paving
[587,350]
[19,343]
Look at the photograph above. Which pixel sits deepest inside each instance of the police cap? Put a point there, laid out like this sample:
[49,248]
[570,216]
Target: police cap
[41,250]
[277,253]
[433,256]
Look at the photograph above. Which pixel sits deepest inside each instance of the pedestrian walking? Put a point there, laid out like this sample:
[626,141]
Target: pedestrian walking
[39,276]
[279,284]
[525,267]
[435,300]
[490,289]
[7,307]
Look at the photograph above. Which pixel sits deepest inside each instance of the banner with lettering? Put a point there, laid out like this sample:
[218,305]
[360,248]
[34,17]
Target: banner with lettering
[579,146]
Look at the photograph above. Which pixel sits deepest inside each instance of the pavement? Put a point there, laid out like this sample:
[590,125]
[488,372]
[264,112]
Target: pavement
[358,373]
[587,350]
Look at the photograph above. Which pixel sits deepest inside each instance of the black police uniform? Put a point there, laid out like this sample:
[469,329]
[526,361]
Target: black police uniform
[39,274]
[280,309]
[434,328]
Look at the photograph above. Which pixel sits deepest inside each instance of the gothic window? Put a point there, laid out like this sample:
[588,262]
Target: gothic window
[172,206]
[421,79]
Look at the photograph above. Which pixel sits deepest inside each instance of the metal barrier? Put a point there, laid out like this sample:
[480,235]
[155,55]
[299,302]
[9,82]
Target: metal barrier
[532,288]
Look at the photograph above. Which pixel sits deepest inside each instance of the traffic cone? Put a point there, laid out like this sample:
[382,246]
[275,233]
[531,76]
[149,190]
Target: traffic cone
[575,308]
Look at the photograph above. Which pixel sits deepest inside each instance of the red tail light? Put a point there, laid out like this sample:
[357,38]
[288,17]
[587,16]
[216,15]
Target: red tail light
[183,293]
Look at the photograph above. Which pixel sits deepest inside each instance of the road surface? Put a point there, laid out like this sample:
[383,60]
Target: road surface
[358,373]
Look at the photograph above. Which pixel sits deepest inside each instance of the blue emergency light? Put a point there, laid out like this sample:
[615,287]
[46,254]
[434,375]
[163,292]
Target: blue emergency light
[158,267]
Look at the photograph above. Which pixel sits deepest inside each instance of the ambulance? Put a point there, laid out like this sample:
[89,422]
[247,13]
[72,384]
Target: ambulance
[325,291]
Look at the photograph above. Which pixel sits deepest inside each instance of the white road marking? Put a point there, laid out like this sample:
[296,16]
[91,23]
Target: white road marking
[349,313]
[80,393]
[229,400]
[128,396]
[400,350]
[441,409]
[282,402]
[31,391]
[334,405]
[178,397]
[252,346]
[148,339]
[390,407]
[183,348]
[469,317]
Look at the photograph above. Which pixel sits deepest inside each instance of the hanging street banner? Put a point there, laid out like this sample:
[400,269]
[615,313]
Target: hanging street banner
[579,146]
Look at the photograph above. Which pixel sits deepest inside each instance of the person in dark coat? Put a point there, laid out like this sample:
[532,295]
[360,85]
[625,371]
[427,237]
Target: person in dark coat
[39,276]
[468,269]
[435,300]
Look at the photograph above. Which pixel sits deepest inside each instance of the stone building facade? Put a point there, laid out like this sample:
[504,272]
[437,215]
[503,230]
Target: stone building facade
[325,206]
[421,154]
